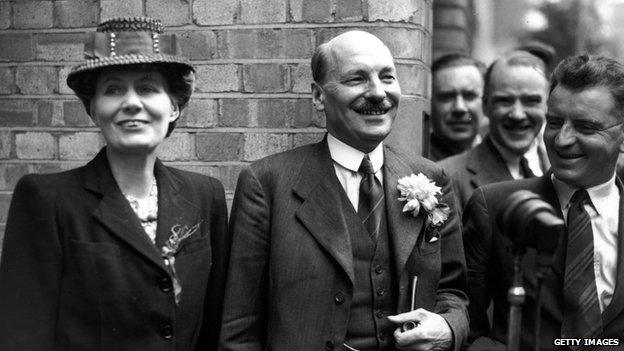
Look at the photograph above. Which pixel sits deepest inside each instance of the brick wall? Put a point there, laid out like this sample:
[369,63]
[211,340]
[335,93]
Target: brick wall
[252,97]
[453,27]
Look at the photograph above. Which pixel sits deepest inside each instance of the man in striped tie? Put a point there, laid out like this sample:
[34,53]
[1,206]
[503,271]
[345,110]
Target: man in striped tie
[323,255]
[583,290]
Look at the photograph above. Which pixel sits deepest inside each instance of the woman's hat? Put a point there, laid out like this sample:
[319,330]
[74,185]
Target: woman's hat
[127,41]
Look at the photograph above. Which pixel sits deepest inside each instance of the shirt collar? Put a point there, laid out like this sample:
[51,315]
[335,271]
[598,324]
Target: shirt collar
[601,195]
[350,157]
[511,158]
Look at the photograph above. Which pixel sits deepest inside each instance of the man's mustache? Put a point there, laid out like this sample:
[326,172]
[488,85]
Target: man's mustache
[367,105]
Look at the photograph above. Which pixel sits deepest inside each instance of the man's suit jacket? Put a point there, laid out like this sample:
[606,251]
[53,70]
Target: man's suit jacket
[473,168]
[490,269]
[291,274]
[78,271]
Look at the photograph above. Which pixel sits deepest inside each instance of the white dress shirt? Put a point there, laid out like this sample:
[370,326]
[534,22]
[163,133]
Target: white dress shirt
[347,161]
[512,161]
[604,216]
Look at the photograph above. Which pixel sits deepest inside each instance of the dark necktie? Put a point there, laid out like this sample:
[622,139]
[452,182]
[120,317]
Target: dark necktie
[581,311]
[525,171]
[371,199]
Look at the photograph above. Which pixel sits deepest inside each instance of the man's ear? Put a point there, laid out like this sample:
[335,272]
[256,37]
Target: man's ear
[175,114]
[318,97]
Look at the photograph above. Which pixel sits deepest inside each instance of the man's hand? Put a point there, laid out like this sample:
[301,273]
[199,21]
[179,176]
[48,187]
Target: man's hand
[432,332]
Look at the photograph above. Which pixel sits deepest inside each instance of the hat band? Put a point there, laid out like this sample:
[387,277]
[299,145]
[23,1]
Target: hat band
[110,44]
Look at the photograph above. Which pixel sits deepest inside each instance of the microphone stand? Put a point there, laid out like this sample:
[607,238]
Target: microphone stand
[515,297]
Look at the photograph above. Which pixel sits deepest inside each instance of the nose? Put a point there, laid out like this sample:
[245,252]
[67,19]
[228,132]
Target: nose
[376,90]
[131,103]
[517,111]
[459,105]
[565,136]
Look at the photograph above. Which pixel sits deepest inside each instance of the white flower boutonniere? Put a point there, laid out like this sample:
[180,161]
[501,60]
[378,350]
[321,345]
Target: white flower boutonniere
[421,192]
[171,247]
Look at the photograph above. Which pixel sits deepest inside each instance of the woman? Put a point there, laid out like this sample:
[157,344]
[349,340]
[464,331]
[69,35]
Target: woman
[123,253]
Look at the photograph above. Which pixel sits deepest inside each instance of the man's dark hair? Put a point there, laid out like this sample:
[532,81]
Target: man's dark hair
[577,73]
[456,60]
[514,58]
[320,63]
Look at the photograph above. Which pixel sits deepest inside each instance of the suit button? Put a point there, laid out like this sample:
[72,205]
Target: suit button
[165,284]
[339,298]
[381,291]
[378,269]
[166,332]
[329,346]
[379,314]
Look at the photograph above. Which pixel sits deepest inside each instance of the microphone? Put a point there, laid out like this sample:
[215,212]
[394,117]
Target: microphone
[529,221]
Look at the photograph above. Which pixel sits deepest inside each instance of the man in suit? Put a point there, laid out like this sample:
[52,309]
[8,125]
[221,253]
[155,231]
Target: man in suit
[323,253]
[456,111]
[514,101]
[582,293]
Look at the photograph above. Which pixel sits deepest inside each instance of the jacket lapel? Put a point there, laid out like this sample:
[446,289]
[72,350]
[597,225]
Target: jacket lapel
[403,228]
[114,212]
[617,302]
[487,165]
[326,211]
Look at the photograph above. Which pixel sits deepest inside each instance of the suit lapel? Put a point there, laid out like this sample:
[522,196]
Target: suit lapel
[617,302]
[487,165]
[403,228]
[326,211]
[114,212]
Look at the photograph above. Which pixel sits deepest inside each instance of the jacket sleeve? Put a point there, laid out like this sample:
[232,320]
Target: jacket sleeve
[246,298]
[220,244]
[451,299]
[477,240]
[30,269]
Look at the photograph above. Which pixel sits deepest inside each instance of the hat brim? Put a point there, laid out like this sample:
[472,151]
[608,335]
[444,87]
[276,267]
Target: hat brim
[92,65]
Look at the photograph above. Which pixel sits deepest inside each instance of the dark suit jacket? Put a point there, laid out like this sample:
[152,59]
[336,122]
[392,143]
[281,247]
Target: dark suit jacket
[473,168]
[291,274]
[490,269]
[78,271]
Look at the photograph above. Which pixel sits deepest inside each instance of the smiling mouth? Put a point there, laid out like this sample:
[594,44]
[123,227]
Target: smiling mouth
[131,123]
[568,156]
[373,112]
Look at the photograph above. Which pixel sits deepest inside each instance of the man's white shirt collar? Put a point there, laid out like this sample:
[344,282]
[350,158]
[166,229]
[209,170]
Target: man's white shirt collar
[602,196]
[350,157]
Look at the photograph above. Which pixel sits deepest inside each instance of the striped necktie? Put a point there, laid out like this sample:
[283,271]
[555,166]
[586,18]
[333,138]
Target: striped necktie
[525,170]
[371,199]
[581,311]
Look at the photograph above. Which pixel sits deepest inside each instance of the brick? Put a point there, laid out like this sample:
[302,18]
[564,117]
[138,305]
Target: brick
[63,88]
[402,42]
[265,78]
[170,12]
[413,11]
[60,47]
[349,10]
[198,44]
[413,79]
[263,11]
[40,167]
[269,43]
[449,38]
[32,14]
[240,44]
[258,145]
[450,17]
[36,80]
[217,78]
[79,146]
[7,81]
[16,47]
[6,140]
[45,113]
[5,202]
[228,175]
[280,113]
[16,112]
[75,13]
[459,3]
[311,11]
[5,15]
[34,145]
[301,78]
[210,12]
[200,113]
[219,146]
[10,174]
[301,139]
[117,8]
[298,43]
[178,146]
[236,113]
[75,115]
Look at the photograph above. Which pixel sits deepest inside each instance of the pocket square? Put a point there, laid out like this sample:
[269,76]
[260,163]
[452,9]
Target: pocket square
[433,239]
